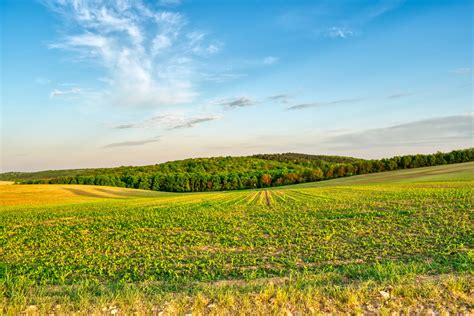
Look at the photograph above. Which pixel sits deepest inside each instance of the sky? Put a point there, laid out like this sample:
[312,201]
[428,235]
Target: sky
[111,83]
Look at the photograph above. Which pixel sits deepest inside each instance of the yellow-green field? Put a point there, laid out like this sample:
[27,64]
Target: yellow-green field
[394,241]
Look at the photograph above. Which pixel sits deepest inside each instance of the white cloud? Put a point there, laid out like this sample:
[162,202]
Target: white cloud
[172,120]
[148,55]
[220,77]
[160,42]
[339,32]
[270,60]
[194,121]
[59,93]
[198,45]
[213,49]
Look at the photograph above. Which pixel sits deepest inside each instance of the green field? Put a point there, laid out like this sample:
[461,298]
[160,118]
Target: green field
[456,172]
[392,241]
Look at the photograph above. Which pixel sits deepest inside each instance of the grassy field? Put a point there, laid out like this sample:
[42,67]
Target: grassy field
[455,172]
[394,241]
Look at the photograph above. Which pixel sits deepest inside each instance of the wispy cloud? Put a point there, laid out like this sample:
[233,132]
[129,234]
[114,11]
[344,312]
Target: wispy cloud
[420,136]
[198,46]
[132,143]
[237,102]
[193,122]
[438,131]
[463,70]
[149,54]
[221,77]
[281,98]
[270,60]
[171,121]
[59,93]
[400,95]
[303,106]
[339,32]
[321,18]
[383,7]
[213,48]
[127,126]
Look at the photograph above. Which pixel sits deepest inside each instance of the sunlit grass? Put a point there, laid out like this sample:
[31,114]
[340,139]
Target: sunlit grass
[376,247]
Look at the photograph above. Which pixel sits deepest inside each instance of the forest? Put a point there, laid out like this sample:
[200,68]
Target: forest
[233,173]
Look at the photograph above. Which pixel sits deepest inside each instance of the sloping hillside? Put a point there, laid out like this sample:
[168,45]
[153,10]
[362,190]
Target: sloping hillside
[307,160]
[215,165]
[195,165]
[230,173]
[46,174]
[443,173]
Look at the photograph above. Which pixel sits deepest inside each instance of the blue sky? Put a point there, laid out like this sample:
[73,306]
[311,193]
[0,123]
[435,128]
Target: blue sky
[109,83]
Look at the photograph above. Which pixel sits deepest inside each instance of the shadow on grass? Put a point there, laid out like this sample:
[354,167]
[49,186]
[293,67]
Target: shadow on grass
[127,193]
[84,193]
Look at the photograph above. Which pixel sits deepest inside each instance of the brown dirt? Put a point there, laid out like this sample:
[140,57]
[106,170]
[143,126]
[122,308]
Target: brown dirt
[267,198]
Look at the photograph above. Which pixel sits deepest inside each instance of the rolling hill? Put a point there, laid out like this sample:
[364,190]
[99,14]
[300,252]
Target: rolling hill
[231,173]
[290,161]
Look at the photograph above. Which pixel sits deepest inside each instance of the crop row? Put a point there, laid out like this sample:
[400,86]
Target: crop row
[245,234]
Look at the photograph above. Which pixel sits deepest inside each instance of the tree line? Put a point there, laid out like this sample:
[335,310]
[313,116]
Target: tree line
[196,175]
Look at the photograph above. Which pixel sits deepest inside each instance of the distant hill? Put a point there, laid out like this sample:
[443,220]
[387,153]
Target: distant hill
[305,159]
[228,173]
[47,174]
[289,161]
